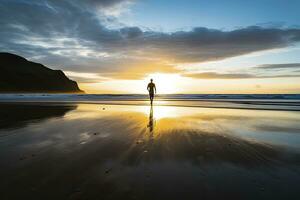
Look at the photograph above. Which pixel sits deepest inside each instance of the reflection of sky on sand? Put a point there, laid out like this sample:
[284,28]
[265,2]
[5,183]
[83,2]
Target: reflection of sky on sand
[279,127]
[274,127]
[119,150]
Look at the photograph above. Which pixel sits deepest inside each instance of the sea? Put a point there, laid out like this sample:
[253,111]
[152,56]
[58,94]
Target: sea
[240,101]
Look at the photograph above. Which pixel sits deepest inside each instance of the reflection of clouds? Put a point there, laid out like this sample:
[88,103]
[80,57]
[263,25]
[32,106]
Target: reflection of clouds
[128,122]
[14,116]
[84,137]
[112,152]
[186,137]
[278,128]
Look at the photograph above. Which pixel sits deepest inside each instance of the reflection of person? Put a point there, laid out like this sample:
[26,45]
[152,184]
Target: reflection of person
[151,121]
[151,89]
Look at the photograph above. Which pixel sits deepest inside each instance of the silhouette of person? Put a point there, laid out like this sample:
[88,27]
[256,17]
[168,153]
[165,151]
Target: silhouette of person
[151,89]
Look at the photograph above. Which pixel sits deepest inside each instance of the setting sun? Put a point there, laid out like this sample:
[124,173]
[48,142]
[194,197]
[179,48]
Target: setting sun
[165,83]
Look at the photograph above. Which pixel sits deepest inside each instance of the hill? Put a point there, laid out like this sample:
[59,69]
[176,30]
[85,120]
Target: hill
[18,75]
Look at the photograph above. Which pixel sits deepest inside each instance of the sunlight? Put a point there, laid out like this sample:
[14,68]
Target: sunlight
[160,112]
[165,83]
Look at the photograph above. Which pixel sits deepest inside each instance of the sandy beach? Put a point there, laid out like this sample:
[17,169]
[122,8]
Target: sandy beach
[149,100]
[98,151]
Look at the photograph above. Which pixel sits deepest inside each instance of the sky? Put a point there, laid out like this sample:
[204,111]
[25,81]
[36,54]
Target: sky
[190,46]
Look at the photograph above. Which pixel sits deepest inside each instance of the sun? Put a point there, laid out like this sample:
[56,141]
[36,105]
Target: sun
[165,83]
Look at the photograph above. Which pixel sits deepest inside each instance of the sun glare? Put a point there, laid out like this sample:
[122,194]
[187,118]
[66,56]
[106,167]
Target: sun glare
[165,83]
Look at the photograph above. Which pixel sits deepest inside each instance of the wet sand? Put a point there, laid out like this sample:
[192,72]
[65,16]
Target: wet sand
[97,151]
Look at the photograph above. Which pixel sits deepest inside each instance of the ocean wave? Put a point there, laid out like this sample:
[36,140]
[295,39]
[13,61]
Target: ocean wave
[289,102]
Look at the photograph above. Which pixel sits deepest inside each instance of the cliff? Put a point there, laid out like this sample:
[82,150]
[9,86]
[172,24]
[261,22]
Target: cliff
[20,75]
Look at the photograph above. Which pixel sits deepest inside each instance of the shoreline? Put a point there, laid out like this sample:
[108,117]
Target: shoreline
[274,106]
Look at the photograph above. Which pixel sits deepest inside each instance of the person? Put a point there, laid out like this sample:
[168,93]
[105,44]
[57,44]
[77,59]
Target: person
[151,89]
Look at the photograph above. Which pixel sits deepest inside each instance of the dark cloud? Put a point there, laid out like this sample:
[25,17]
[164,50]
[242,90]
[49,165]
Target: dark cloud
[72,35]
[202,44]
[214,75]
[131,32]
[102,3]
[279,66]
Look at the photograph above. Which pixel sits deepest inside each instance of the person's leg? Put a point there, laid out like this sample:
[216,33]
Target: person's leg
[151,97]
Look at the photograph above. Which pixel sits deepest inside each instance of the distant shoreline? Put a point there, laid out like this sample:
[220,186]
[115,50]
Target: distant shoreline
[248,104]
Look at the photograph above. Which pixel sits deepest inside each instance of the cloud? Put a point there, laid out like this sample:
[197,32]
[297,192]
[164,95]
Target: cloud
[85,77]
[202,44]
[279,66]
[214,75]
[71,35]
[101,3]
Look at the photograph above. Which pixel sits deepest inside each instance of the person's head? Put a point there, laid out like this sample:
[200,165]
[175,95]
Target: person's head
[151,80]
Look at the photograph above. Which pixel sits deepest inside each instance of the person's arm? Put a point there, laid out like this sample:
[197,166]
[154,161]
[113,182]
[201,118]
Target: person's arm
[148,87]
[155,88]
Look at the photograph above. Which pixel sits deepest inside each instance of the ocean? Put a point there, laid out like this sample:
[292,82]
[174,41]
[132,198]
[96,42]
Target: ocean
[241,101]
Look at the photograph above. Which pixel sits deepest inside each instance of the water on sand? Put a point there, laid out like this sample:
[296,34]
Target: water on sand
[95,151]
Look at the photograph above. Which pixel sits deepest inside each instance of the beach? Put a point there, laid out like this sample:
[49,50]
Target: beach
[149,100]
[128,150]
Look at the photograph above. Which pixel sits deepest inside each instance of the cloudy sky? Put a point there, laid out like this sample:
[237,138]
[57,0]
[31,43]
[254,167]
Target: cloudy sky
[190,46]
